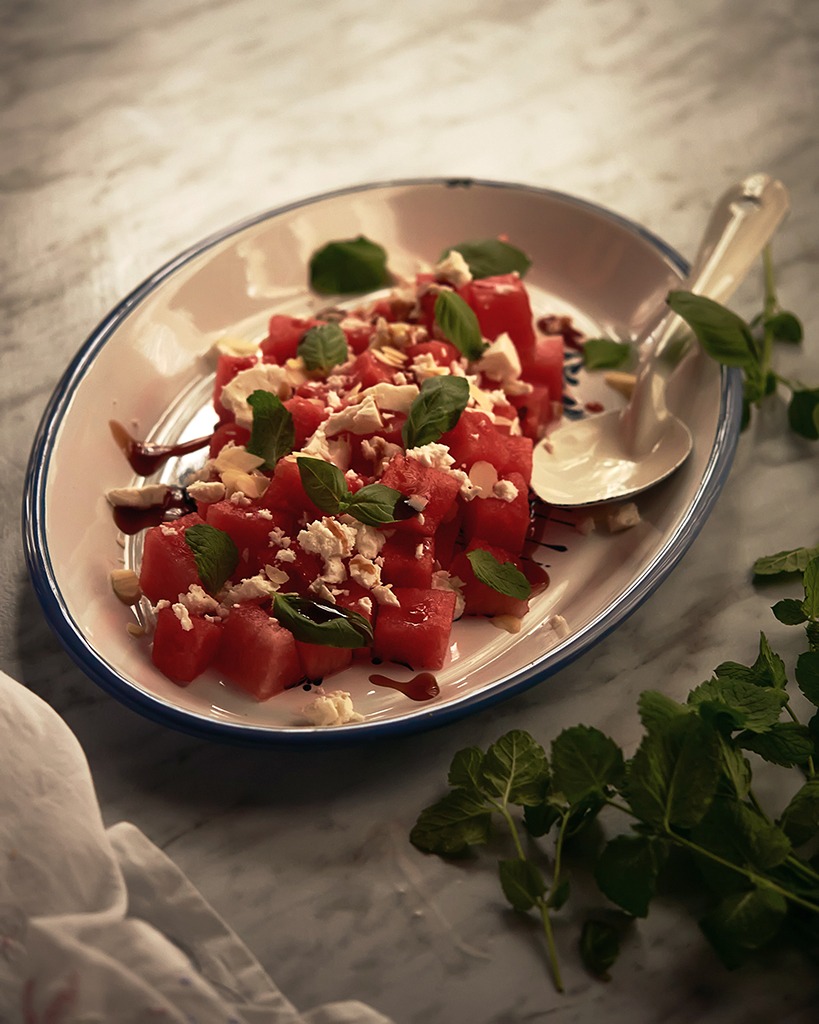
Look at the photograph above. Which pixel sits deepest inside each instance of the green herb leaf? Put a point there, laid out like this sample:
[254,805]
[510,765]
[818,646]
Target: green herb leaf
[735,767]
[810,580]
[785,744]
[314,622]
[742,922]
[801,413]
[789,611]
[800,820]
[489,257]
[324,485]
[724,336]
[515,770]
[459,324]
[785,561]
[746,706]
[503,577]
[599,947]
[453,824]
[215,553]
[274,433]
[559,894]
[812,633]
[769,667]
[521,882]
[737,833]
[323,347]
[538,820]
[604,354]
[374,504]
[351,265]
[584,762]
[627,870]
[807,675]
[465,770]
[435,410]
[785,327]
[656,709]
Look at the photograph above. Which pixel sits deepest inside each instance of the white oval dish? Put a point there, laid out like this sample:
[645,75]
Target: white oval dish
[146,366]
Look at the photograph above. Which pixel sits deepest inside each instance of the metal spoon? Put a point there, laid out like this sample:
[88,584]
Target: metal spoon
[618,454]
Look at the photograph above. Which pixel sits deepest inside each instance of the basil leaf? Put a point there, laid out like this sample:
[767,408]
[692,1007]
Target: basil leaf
[435,410]
[324,485]
[785,561]
[802,411]
[504,578]
[724,336]
[489,257]
[215,553]
[314,622]
[459,324]
[785,327]
[323,347]
[603,354]
[374,504]
[349,265]
[274,433]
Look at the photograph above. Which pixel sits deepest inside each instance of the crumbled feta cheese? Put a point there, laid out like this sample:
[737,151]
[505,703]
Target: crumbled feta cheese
[280,380]
[500,361]
[434,455]
[138,497]
[392,397]
[181,612]
[383,593]
[453,268]
[206,493]
[285,555]
[419,550]
[417,502]
[505,490]
[322,591]
[364,571]
[250,589]
[441,580]
[366,605]
[239,498]
[197,601]
[369,540]
[335,708]
[278,538]
[319,446]
[363,418]
[167,530]
[264,513]
[424,367]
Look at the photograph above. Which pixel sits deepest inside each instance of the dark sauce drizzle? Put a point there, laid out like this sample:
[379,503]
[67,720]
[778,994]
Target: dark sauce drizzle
[176,504]
[424,686]
[144,456]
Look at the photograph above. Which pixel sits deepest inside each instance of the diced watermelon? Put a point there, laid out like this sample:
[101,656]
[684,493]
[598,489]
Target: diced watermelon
[417,632]
[546,365]
[475,439]
[535,410]
[501,305]
[168,565]
[307,415]
[481,599]
[358,336]
[408,560]
[257,653]
[441,351]
[369,370]
[225,433]
[319,660]
[249,528]
[286,491]
[437,488]
[183,654]
[283,337]
[504,523]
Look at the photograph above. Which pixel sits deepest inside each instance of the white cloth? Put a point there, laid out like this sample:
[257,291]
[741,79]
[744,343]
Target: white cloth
[100,925]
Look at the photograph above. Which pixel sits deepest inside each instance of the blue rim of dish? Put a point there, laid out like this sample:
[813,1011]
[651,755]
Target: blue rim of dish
[70,636]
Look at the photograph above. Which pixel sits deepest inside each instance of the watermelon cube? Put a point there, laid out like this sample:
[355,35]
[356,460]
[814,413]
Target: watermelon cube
[408,559]
[182,654]
[168,564]
[546,365]
[437,490]
[257,653]
[503,523]
[319,660]
[501,304]
[480,598]
[283,337]
[417,632]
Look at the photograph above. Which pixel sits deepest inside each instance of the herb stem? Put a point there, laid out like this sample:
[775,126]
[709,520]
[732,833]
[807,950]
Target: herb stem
[758,806]
[510,821]
[770,309]
[559,851]
[550,943]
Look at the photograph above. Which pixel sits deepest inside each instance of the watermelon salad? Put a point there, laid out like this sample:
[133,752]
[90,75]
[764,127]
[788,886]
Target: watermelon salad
[366,483]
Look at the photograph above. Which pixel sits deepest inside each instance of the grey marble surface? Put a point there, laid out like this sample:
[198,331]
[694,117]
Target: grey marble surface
[130,130]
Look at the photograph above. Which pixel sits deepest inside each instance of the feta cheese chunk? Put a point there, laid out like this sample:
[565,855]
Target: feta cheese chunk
[334,708]
[453,268]
[138,497]
[500,361]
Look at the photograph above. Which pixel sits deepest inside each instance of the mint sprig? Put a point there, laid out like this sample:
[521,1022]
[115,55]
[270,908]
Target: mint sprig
[273,434]
[490,257]
[215,553]
[348,266]
[435,410]
[504,577]
[373,504]
[459,324]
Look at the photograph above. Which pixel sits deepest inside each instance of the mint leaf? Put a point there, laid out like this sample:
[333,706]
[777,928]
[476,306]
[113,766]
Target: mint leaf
[604,354]
[347,266]
[599,947]
[800,819]
[324,485]
[807,675]
[503,577]
[465,770]
[540,818]
[521,882]
[459,324]
[656,709]
[745,705]
[584,762]
[515,770]
[627,870]
[789,611]
[785,744]
[810,580]
[785,561]
[314,622]
[724,336]
[674,774]
[742,922]
[374,504]
[769,667]
[435,410]
[274,433]
[801,413]
[559,894]
[490,257]
[735,767]
[323,347]
[785,327]
[737,833]
[454,823]
[215,554]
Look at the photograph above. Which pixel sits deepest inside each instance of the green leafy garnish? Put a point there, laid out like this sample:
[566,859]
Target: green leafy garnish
[794,560]
[599,947]
[215,553]
[724,335]
[323,347]
[435,410]
[274,433]
[326,487]
[314,622]
[489,257]
[501,576]
[348,266]
[459,324]
[603,354]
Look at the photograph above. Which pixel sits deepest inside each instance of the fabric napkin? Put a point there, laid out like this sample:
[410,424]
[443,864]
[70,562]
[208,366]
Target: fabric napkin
[100,925]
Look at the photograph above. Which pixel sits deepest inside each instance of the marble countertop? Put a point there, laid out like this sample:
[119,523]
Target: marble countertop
[130,131]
